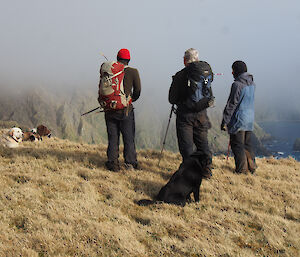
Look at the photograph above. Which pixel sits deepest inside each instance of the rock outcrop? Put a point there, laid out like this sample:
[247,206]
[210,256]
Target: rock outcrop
[296,146]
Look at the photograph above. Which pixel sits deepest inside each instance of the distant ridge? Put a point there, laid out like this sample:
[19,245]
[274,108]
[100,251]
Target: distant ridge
[62,114]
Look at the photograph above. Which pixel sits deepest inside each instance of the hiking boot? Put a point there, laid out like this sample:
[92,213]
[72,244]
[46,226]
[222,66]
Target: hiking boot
[240,172]
[253,168]
[136,166]
[112,166]
[129,166]
[252,171]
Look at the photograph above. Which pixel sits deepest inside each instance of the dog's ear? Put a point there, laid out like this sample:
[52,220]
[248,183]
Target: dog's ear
[205,160]
[189,162]
[198,164]
[11,132]
[203,157]
[192,163]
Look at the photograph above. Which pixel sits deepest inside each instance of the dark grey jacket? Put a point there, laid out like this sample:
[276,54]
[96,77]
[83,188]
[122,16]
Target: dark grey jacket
[178,93]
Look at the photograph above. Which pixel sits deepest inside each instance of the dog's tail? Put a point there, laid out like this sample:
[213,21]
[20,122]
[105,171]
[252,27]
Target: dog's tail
[145,202]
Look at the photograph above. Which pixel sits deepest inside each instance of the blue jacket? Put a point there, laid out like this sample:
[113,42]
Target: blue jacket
[238,114]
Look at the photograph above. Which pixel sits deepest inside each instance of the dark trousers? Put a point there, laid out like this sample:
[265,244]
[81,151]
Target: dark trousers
[116,123]
[244,157]
[192,128]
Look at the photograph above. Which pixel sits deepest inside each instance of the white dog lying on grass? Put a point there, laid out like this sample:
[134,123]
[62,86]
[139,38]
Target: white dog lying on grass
[11,138]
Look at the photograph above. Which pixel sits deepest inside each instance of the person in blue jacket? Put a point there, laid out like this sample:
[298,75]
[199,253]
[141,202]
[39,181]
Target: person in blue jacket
[238,118]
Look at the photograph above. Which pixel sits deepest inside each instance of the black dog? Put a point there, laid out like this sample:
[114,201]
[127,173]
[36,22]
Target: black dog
[186,180]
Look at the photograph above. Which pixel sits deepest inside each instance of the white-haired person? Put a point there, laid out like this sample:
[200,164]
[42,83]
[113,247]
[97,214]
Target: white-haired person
[191,92]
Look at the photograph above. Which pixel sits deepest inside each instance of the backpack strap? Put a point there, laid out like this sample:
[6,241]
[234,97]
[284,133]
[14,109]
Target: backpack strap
[189,83]
[117,74]
[123,92]
[205,80]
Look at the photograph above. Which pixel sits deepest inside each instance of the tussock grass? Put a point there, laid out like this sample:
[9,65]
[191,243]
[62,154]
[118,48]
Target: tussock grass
[56,199]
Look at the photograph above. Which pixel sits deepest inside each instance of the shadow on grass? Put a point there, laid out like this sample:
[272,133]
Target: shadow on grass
[88,159]
[147,187]
[165,171]
[167,175]
[227,168]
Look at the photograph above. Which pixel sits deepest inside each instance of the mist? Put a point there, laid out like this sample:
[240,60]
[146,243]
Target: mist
[58,44]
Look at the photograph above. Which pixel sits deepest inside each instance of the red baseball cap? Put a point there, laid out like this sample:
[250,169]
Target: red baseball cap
[124,54]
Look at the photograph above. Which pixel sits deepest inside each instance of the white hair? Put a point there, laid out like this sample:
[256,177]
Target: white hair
[191,55]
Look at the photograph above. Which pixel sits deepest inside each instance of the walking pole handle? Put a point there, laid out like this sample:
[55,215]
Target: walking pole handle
[228,150]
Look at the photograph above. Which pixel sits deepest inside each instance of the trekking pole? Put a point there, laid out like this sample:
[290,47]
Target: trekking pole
[164,142]
[99,106]
[228,151]
[90,111]
[104,56]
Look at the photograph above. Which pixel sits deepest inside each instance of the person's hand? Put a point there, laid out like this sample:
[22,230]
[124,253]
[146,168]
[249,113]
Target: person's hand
[223,127]
[211,102]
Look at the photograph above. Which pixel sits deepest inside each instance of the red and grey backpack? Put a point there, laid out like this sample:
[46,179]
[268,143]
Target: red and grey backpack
[111,89]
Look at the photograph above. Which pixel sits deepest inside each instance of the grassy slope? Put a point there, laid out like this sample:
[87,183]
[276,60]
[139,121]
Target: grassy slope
[56,199]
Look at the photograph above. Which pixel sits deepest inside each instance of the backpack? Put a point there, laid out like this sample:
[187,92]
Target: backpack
[199,91]
[111,89]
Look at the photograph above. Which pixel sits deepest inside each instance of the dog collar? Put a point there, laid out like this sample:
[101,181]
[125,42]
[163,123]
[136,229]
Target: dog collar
[14,139]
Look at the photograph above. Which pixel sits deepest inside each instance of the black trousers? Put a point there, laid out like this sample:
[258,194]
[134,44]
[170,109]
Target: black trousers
[241,146]
[119,123]
[192,128]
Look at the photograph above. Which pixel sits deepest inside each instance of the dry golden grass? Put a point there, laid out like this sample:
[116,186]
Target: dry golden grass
[56,199]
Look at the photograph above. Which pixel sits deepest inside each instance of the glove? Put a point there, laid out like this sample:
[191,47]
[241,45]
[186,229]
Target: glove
[223,127]
[211,102]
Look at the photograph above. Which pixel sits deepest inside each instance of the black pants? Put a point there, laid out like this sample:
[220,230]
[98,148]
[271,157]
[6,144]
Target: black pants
[244,157]
[192,128]
[116,123]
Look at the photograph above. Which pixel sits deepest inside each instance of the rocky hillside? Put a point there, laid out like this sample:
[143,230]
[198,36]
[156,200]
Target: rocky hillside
[62,114]
[296,146]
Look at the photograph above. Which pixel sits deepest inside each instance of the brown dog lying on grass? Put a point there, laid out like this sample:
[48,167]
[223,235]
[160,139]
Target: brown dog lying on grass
[43,131]
[186,180]
[36,134]
[30,136]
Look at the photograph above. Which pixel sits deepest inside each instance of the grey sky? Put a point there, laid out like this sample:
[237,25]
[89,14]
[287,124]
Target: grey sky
[57,43]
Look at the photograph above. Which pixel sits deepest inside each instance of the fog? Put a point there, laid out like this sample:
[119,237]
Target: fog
[57,44]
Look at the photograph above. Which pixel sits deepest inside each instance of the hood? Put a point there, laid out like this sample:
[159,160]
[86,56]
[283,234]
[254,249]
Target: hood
[196,69]
[245,78]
